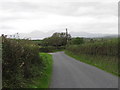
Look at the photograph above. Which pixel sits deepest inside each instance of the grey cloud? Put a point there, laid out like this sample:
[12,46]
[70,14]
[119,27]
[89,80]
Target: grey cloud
[18,6]
[97,26]
[100,28]
[4,19]
[98,8]
[6,27]
[66,8]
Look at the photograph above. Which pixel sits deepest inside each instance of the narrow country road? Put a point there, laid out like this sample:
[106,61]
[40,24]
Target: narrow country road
[70,73]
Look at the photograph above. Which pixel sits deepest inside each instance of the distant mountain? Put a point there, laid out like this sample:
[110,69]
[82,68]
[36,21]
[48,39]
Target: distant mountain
[35,35]
[111,36]
[91,35]
[41,35]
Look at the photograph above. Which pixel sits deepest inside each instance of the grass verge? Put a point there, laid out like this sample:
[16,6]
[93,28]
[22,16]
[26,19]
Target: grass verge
[109,64]
[44,80]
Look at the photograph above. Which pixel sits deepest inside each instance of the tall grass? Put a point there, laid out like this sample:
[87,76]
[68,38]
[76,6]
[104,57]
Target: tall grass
[107,48]
[44,80]
[101,53]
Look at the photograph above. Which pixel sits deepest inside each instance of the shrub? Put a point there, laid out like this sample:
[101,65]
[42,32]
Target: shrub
[76,41]
[101,53]
[18,59]
[51,48]
[107,48]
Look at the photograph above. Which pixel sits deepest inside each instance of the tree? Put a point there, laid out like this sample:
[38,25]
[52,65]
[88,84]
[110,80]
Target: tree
[57,39]
[76,41]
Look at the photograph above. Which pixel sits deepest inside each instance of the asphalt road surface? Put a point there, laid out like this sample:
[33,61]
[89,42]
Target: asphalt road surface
[70,73]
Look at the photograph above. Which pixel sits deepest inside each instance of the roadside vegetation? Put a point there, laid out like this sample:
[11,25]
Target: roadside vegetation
[26,64]
[22,64]
[100,52]
[0,62]
[46,72]
[0,50]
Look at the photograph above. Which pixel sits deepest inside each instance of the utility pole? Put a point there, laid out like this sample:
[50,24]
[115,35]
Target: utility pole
[17,36]
[66,35]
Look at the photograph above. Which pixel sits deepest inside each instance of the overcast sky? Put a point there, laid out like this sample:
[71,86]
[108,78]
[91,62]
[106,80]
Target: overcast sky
[91,16]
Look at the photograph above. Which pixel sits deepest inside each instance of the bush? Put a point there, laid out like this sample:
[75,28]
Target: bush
[19,57]
[76,41]
[101,53]
[51,48]
[107,48]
